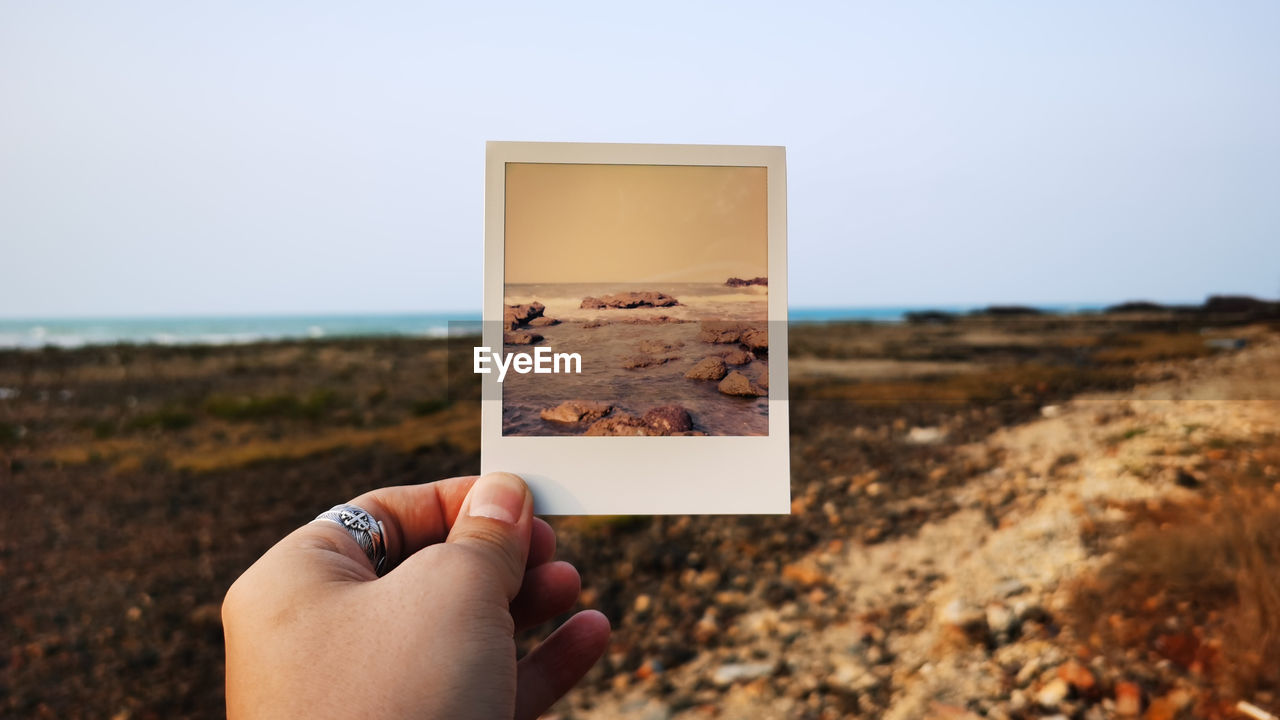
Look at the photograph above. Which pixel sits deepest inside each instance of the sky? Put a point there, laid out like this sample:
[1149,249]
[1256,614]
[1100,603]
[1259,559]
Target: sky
[162,158]
[567,223]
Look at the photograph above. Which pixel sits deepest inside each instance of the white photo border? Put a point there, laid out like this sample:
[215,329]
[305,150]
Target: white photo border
[574,475]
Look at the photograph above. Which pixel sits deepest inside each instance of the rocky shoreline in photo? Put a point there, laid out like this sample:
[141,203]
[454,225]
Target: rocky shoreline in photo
[655,350]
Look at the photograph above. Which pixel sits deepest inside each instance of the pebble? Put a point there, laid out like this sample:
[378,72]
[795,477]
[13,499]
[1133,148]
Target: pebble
[1053,693]
[1128,699]
[731,673]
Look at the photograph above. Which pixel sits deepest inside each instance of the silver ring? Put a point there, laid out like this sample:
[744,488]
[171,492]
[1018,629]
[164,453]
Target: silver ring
[367,531]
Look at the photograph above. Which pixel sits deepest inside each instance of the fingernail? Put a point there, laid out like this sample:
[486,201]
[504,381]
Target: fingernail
[498,496]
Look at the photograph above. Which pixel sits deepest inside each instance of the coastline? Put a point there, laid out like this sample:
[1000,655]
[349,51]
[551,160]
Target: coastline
[215,452]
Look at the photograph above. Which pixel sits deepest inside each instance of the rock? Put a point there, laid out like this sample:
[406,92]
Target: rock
[1075,674]
[962,618]
[739,282]
[1161,708]
[653,320]
[1009,588]
[629,300]
[658,347]
[522,314]
[521,338]
[1053,693]
[804,573]
[735,383]
[757,340]
[577,411]
[1128,699]
[668,419]
[543,321]
[999,619]
[642,603]
[620,424]
[709,368]
[643,361]
[737,357]
[925,435]
[731,673]
[720,331]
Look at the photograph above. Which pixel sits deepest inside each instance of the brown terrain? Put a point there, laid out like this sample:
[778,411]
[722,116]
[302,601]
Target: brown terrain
[1001,516]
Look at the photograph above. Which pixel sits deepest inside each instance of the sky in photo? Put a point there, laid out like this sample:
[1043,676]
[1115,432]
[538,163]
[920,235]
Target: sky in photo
[179,158]
[635,223]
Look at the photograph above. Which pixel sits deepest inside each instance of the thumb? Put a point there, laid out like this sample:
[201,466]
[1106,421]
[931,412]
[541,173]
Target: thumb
[496,520]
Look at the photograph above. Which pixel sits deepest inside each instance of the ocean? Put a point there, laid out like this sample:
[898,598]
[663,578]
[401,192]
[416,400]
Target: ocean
[224,330]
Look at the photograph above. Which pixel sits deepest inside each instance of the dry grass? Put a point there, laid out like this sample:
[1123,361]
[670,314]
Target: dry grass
[1198,583]
[1141,347]
[459,426]
[1026,381]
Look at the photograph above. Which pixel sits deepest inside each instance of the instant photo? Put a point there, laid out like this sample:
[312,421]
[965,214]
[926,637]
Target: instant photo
[634,343]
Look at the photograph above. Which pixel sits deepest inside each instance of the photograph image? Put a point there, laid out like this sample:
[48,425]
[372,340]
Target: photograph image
[644,288]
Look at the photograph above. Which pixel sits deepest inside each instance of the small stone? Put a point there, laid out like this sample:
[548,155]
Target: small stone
[1053,693]
[926,435]
[1077,676]
[1128,699]
[1162,708]
[731,673]
[804,573]
[642,603]
[999,618]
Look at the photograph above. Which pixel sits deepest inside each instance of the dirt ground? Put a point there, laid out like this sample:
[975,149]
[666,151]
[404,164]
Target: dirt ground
[954,485]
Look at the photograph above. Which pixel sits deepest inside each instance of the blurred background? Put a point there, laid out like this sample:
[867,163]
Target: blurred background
[1034,277]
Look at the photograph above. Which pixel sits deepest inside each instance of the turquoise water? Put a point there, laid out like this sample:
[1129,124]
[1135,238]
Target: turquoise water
[76,332]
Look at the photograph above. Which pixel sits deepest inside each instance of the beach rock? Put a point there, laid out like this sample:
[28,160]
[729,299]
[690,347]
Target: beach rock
[735,383]
[668,419]
[658,347]
[629,300]
[543,321]
[737,357]
[757,340]
[521,338]
[643,361]
[523,313]
[763,379]
[620,425]
[739,282]
[708,368]
[653,320]
[577,411]
[721,331]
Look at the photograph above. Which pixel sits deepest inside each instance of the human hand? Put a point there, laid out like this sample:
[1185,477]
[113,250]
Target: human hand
[311,631]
